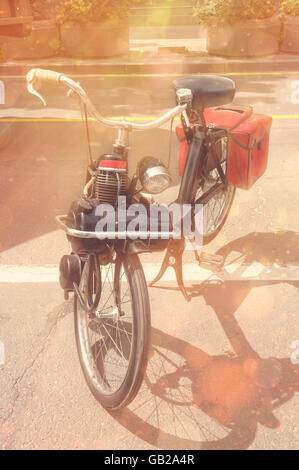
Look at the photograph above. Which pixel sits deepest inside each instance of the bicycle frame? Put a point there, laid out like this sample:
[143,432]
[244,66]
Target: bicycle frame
[201,141]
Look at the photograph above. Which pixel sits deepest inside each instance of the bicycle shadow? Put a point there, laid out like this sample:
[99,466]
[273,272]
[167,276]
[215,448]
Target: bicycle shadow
[280,248]
[193,400]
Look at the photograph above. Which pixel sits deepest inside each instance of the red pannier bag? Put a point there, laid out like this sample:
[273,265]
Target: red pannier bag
[248,143]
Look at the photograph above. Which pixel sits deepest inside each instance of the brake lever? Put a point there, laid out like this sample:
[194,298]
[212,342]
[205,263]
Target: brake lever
[35,93]
[32,90]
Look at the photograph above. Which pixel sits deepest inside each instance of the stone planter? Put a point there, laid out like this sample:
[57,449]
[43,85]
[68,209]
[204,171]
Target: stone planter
[106,39]
[15,18]
[290,41]
[252,38]
[41,43]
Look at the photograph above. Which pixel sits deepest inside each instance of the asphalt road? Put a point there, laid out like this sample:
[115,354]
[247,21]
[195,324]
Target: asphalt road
[233,342]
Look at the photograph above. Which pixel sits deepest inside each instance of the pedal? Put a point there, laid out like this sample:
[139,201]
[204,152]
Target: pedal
[210,260]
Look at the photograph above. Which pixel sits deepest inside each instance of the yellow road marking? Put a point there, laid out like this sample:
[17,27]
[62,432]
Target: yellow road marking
[158,75]
[78,119]
[129,119]
[285,116]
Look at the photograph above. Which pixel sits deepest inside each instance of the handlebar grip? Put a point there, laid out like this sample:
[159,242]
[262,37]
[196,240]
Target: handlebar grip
[45,76]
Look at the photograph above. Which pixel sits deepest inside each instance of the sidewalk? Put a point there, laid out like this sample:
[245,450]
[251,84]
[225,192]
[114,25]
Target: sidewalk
[160,56]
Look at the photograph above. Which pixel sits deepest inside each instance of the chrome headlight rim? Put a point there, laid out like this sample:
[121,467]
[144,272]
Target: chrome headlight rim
[150,168]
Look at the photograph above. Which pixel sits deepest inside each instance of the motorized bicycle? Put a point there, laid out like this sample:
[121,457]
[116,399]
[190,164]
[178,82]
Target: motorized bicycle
[221,148]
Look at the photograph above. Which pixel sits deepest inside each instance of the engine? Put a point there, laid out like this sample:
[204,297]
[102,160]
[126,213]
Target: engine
[111,180]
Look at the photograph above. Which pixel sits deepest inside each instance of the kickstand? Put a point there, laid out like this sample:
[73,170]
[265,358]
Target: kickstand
[174,259]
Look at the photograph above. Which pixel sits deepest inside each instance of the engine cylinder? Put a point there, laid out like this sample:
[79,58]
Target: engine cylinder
[111,180]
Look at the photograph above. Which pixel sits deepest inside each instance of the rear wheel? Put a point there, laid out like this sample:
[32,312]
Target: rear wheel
[112,339]
[216,210]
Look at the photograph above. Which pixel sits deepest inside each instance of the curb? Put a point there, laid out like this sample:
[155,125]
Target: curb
[172,64]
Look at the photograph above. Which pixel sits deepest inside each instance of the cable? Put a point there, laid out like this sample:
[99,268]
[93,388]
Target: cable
[85,118]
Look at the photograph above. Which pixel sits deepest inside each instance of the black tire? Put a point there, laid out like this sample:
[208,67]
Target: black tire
[94,372]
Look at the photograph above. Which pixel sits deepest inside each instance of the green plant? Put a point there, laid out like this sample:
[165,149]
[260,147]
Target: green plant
[93,10]
[232,11]
[290,7]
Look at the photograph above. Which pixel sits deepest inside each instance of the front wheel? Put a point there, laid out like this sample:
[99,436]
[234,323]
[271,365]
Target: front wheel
[113,336]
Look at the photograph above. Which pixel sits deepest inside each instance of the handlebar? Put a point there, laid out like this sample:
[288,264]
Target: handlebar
[38,76]
[42,75]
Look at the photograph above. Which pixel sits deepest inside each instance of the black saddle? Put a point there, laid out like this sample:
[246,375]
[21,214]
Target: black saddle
[208,90]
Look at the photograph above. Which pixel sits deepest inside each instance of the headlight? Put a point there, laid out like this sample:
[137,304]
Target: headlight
[153,175]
